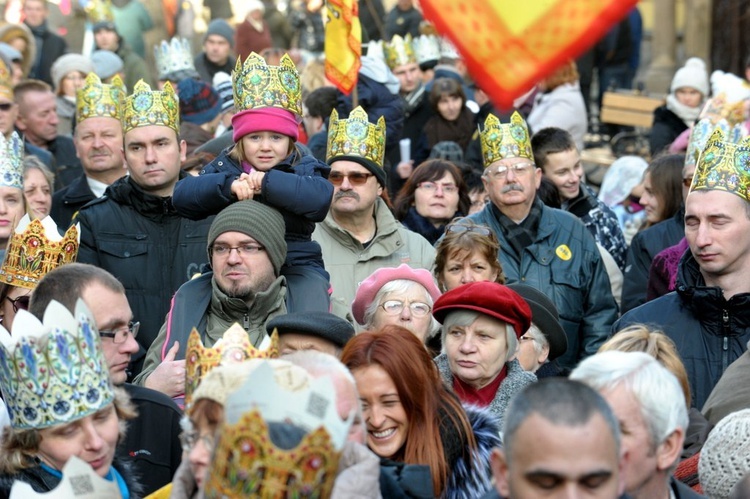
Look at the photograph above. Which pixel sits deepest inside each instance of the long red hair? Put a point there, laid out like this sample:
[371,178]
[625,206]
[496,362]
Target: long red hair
[424,397]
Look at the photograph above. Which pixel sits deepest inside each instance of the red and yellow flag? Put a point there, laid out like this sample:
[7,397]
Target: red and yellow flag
[508,46]
[343,46]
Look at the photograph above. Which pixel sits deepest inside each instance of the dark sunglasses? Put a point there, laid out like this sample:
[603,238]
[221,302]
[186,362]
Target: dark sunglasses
[355,178]
[485,231]
[5,106]
[20,303]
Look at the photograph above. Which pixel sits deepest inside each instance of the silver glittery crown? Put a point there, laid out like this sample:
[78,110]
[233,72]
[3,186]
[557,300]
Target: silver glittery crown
[173,56]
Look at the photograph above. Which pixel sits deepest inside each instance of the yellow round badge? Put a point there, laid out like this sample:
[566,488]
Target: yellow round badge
[563,252]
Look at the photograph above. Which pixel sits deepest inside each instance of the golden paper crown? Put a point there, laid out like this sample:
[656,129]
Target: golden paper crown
[53,372]
[719,107]
[724,166]
[257,85]
[173,57]
[399,51]
[97,99]
[702,130]
[247,462]
[356,136]
[35,248]
[11,161]
[6,81]
[100,11]
[232,348]
[501,141]
[151,107]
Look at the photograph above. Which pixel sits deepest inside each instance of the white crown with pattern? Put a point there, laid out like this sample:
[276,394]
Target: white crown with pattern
[79,481]
[173,56]
[11,161]
[427,48]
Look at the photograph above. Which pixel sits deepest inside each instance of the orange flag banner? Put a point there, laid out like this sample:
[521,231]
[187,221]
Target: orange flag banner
[508,46]
[343,47]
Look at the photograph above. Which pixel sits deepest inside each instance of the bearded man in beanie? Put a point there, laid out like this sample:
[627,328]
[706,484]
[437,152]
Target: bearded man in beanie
[246,247]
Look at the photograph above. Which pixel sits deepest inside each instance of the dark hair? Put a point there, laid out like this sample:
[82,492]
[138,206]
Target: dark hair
[666,183]
[548,194]
[430,171]
[548,141]
[560,401]
[321,102]
[445,87]
[67,283]
[473,181]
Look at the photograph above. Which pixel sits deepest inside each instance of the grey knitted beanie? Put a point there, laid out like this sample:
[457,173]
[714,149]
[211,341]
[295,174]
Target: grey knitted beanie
[262,223]
[725,457]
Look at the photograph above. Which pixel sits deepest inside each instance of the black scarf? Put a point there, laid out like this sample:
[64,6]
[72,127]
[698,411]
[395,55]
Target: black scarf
[438,129]
[419,224]
[520,235]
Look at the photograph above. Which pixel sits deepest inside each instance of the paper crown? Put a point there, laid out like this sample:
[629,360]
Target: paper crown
[720,107]
[500,141]
[53,372]
[702,130]
[151,107]
[35,248]
[247,463]
[174,56]
[79,481]
[100,11]
[97,99]
[724,166]
[356,136]
[11,161]
[399,51]
[448,50]
[6,81]
[232,348]
[258,85]
[427,48]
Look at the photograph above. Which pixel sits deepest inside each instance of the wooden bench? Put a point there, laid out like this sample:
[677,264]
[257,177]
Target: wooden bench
[628,108]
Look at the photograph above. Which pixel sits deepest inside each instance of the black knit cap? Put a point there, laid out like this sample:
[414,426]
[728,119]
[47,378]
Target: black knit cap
[321,324]
[261,222]
[544,315]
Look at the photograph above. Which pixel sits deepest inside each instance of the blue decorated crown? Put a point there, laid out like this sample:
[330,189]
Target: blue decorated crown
[11,161]
[53,372]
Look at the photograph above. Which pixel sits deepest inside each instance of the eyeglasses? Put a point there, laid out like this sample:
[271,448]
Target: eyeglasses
[687,182]
[355,178]
[485,231]
[6,106]
[20,303]
[527,338]
[120,334]
[224,250]
[432,187]
[189,440]
[394,307]
[501,171]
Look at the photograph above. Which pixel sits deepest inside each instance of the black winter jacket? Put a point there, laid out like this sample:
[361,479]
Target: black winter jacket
[709,331]
[666,128]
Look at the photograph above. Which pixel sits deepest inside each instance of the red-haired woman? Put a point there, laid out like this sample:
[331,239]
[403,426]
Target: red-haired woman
[412,418]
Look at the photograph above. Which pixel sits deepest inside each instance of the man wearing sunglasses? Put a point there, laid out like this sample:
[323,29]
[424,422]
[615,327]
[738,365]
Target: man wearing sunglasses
[152,440]
[360,234]
[546,248]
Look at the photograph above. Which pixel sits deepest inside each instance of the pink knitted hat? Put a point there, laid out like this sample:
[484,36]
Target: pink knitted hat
[265,119]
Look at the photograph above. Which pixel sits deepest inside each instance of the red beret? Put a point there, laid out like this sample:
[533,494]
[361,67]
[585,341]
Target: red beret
[489,298]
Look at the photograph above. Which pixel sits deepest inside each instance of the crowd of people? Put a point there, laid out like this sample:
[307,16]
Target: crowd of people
[226,278]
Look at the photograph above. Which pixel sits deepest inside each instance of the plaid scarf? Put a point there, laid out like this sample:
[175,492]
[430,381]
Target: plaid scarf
[520,235]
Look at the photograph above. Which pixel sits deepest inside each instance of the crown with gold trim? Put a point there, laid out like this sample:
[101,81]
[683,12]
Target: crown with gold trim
[174,56]
[257,85]
[100,11]
[79,481]
[500,141]
[97,99]
[35,248]
[399,51]
[232,348]
[356,136]
[6,81]
[248,463]
[11,161]
[702,130]
[151,107]
[724,166]
[53,372]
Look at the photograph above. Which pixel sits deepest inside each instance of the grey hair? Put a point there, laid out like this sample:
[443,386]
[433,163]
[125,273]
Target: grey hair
[465,318]
[540,341]
[399,286]
[31,162]
[661,399]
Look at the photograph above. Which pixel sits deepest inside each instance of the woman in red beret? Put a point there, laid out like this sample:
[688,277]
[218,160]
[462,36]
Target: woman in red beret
[482,322]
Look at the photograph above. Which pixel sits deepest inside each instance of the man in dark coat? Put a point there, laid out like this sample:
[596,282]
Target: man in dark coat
[49,46]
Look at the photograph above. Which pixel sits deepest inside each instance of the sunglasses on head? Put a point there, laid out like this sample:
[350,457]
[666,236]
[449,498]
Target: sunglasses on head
[355,178]
[485,231]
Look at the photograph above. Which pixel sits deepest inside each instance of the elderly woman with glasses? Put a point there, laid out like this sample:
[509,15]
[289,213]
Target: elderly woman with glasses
[400,296]
[467,253]
[434,194]
[482,322]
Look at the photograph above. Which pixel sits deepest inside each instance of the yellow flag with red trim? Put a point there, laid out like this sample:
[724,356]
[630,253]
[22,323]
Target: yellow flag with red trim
[343,47]
[508,46]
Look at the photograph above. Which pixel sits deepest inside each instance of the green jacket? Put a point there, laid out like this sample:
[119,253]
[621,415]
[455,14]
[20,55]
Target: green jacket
[349,263]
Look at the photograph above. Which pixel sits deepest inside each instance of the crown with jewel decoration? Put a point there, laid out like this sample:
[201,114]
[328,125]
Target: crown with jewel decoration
[35,248]
[356,136]
[6,81]
[11,161]
[724,166]
[53,372]
[100,11]
[247,462]
[151,107]
[233,347]
[702,130]
[257,85]
[399,51]
[500,141]
[174,56]
[427,48]
[97,99]
[79,481]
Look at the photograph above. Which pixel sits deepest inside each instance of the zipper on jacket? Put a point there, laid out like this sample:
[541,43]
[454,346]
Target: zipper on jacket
[725,348]
[246,322]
